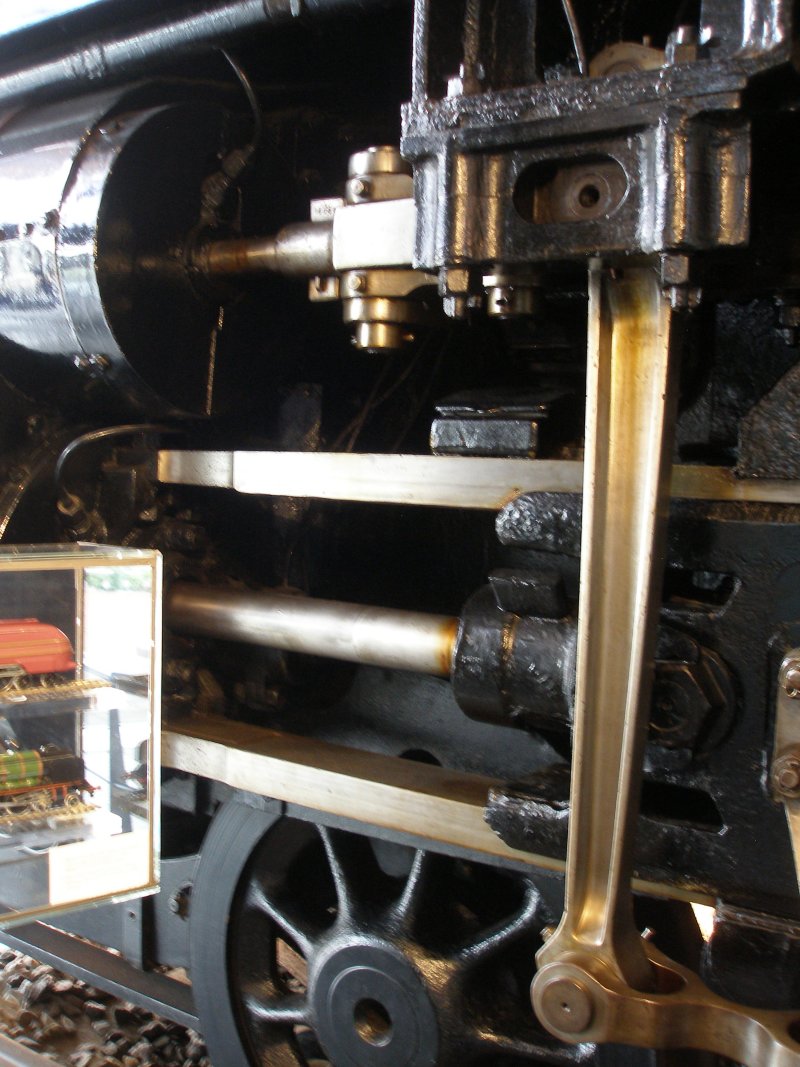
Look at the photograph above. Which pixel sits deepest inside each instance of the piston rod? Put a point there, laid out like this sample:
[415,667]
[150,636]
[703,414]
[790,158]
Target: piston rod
[380,637]
[298,250]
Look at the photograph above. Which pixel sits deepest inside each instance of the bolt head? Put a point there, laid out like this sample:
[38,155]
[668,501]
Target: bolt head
[566,1005]
[180,900]
[683,297]
[790,676]
[359,187]
[785,774]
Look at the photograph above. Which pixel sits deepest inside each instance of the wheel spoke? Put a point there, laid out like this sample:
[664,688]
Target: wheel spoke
[497,938]
[281,914]
[414,890]
[270,1008]
[421,878]
[350,861]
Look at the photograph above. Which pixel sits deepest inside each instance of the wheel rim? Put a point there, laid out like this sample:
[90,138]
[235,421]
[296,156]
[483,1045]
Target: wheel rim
[315,946]
[401,957]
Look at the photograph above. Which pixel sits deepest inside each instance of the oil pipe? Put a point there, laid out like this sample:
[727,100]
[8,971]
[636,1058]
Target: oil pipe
[114,57]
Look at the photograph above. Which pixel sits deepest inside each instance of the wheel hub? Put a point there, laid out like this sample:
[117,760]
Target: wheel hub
[372,1009]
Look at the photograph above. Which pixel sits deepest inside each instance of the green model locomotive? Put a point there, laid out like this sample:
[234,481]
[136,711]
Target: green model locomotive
[36,780]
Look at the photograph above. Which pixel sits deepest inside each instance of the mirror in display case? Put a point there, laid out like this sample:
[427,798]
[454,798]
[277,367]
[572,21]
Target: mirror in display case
[80,654]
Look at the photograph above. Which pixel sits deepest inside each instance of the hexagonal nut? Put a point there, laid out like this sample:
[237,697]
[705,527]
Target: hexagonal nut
[680,705]
[683,53]
[675,269]
[684,297]
[682,45]
[455,307]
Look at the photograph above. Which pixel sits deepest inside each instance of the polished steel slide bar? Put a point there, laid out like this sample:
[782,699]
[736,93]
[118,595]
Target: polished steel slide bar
[298,250]
[401,795]
[431,481]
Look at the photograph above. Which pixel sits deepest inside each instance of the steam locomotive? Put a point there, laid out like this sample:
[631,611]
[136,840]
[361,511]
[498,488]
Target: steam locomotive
[448,351]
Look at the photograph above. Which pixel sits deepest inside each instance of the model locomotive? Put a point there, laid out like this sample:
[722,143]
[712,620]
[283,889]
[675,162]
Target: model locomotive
[30,648]
[32,781]
[35,780]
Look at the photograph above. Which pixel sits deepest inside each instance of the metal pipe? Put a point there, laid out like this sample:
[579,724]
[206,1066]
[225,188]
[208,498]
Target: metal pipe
[301,249]
[380,637]
[115,57]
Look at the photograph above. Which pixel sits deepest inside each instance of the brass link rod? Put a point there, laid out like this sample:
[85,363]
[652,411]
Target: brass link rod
[629,422]
[598,980]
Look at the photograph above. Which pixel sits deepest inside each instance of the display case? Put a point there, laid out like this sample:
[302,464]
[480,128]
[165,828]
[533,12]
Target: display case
[80,658]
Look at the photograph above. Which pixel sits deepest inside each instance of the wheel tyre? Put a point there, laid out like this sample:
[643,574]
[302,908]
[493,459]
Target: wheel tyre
[234,833]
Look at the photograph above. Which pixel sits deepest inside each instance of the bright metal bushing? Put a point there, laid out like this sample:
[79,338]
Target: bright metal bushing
[564,1005]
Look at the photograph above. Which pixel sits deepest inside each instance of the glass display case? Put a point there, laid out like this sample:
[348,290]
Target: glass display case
[80,657]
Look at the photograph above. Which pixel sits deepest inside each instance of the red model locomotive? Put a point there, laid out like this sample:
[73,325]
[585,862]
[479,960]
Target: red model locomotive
[29,647]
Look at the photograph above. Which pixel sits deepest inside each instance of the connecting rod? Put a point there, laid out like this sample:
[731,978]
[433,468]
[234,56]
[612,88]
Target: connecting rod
[598,980]
[298,250]
[630,405]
